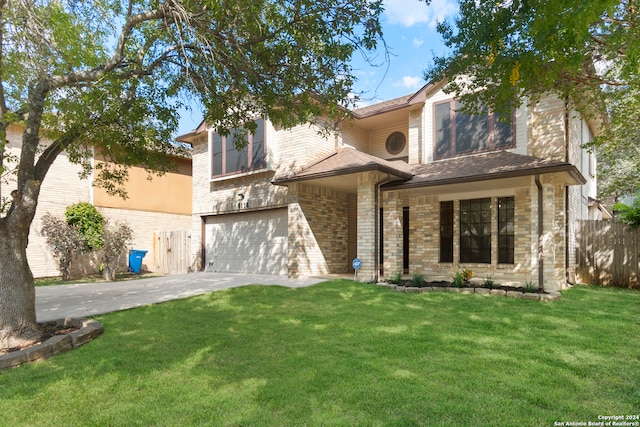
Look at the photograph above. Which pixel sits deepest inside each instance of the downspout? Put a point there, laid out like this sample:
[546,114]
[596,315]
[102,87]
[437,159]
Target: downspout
[376,231]
[566,194]
[540,236]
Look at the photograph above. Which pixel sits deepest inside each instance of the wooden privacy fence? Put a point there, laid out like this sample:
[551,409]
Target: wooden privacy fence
[171,251]
[607,254]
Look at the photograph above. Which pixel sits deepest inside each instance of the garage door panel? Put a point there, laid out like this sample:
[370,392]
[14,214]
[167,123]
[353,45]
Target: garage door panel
[252,242]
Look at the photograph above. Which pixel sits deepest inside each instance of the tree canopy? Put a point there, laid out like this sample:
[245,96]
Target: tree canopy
[111,75]
[587,52]
[115,73]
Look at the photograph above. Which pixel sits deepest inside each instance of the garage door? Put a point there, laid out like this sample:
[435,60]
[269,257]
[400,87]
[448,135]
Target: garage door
[252,242]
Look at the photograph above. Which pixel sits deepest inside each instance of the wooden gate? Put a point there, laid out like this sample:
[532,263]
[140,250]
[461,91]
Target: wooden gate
[172,251]
[607,254]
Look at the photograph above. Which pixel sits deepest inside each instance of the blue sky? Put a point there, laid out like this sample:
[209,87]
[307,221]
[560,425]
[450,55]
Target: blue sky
[409,31]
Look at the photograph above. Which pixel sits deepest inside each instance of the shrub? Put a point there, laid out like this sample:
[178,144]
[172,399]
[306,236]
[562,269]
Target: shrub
[417,280]
[629,215]
[115,239]
[64,240]
[467,274]
[529,287]
[89,222]
[396,278]
[458,280]
[488,282]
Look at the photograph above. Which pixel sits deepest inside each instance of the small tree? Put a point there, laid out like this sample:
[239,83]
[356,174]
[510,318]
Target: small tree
[630,215]
[115,239]
[88,221]
[64,240]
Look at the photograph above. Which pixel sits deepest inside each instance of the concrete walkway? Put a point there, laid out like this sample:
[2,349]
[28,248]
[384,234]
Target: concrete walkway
[88,299]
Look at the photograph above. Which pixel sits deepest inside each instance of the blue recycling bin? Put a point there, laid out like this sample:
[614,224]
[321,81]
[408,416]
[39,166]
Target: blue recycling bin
[135,260]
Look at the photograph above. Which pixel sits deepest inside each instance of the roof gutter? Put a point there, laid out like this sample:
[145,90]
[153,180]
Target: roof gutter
[570,169]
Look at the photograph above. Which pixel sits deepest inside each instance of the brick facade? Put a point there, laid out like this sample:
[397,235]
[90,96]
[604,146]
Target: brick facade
[318,231]
[330,224]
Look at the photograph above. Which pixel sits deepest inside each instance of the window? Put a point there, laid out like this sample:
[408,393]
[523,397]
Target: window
[446,231]
[475,230]
[227,159]
[505,230]
[395,143]
[457,133]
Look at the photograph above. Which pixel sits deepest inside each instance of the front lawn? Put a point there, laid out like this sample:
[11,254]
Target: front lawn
[343,353]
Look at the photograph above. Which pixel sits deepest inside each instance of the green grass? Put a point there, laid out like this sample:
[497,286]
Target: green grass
[342,353]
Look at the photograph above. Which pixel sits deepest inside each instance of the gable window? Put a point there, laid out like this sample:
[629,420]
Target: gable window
[506,232]
[475,230]
[457,133]
[226,159]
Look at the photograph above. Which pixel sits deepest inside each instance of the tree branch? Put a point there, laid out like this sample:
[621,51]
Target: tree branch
[50,153]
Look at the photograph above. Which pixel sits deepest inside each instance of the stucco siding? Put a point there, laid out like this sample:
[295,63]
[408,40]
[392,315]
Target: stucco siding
[163,194]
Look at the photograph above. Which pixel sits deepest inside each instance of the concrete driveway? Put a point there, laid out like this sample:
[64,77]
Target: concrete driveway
[88,299]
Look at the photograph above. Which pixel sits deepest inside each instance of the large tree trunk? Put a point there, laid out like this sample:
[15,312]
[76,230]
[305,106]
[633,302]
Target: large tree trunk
[18,324]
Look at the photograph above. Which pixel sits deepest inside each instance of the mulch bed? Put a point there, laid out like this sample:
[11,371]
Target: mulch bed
[49,330]
[443,284]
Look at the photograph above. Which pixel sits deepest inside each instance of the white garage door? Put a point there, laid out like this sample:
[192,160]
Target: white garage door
[252,242]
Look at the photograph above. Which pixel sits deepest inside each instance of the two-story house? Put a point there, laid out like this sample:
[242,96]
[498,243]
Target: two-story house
[409,185]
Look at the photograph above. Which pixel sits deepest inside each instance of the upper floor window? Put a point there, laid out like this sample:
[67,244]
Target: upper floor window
[227,159]
[457,133]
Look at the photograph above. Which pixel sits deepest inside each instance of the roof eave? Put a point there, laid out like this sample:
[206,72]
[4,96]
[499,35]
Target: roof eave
[328,174]
[569,169]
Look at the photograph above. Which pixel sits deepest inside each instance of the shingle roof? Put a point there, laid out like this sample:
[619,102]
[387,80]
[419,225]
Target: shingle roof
[495,165]
[480,167]
[344,162]
[383,106]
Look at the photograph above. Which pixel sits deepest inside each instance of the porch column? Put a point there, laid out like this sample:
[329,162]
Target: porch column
[295,240]
[392,241]
[367,224]
[552,235]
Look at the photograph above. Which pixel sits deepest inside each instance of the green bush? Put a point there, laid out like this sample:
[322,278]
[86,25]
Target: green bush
[458,280]
[488,282]
[396,278]
[89,222]
[630,215]
[417,280]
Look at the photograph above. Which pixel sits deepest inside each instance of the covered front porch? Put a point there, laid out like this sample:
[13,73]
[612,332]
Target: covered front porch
[501,215]
[333,213]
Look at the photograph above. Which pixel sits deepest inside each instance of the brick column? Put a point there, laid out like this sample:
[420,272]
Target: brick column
[295,218]
[392,219]
[552,234]
[366,224]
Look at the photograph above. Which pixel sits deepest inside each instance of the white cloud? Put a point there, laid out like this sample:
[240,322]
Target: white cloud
[417,42]
[410,82]
[411,12]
